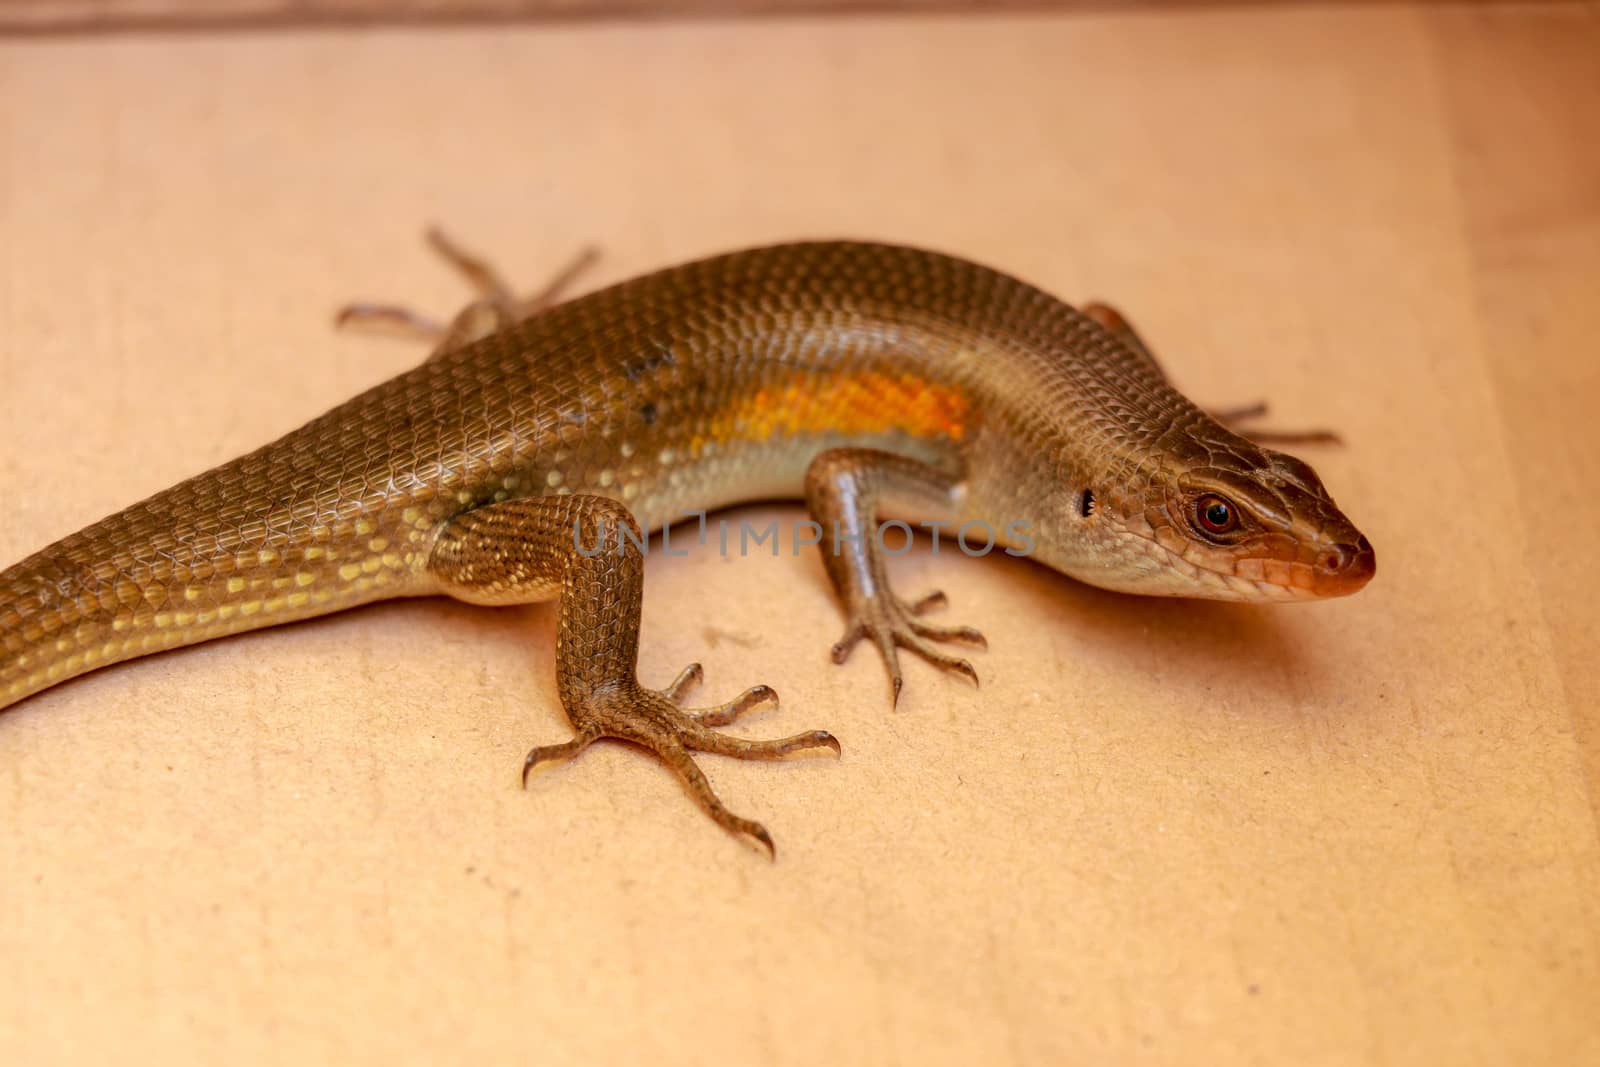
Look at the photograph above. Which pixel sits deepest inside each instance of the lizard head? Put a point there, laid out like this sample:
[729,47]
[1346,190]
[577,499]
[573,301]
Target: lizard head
[1234,521]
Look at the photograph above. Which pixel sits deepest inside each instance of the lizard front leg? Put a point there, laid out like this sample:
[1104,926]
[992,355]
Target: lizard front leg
[1116,323]
[588,550]
[845,488]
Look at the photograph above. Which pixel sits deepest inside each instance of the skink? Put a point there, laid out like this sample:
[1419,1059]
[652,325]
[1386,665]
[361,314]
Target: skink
[528,456]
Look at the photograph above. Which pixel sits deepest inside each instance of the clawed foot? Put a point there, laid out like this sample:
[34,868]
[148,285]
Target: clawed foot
[1234,418]
[891,624]
[1117,324]
[656,720]
[496,308]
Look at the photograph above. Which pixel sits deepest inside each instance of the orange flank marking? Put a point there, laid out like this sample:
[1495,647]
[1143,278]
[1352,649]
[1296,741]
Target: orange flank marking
[866,402]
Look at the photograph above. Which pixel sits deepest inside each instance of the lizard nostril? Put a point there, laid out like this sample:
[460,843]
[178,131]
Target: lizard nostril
[1346,562]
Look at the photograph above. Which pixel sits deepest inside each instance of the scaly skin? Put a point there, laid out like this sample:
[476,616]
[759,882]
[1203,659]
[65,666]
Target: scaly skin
[897,378]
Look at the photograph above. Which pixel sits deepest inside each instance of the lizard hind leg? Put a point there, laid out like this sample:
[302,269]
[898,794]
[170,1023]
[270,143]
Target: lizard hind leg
[496,308]
[588,551]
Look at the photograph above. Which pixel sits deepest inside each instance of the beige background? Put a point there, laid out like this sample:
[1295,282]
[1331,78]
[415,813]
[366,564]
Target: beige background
[1356,832]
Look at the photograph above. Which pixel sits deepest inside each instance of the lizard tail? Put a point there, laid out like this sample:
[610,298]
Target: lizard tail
[143,581]
[111,592]
[59,617]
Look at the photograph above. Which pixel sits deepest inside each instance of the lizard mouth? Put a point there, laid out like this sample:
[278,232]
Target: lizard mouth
[1281,573]
[1334,570]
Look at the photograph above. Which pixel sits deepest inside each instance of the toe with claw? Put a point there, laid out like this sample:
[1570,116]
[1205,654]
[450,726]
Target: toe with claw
[656,720]
[892,624]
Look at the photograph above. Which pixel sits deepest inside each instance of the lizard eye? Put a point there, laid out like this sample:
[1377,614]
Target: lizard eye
[1215,514]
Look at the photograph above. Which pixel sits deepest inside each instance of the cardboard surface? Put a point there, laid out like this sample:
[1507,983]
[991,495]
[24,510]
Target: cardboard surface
[1361,831]
[67,16]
